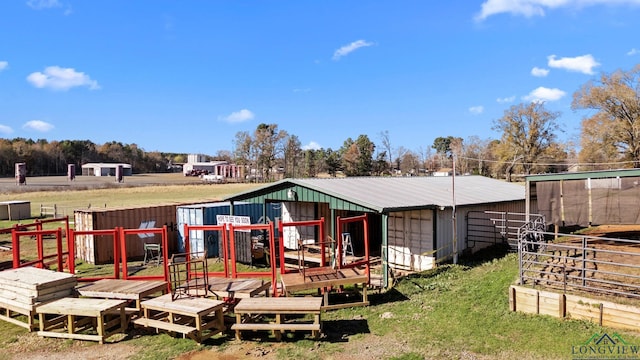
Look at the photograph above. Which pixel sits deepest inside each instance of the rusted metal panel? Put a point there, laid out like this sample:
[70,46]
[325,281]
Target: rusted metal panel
[99,249]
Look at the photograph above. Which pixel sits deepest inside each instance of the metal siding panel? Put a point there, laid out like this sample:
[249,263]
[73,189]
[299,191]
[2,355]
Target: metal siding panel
[130,218]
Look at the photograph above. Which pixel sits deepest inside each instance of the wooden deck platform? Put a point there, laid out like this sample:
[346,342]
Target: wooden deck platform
[106,317]
[326,279]
[238,288]
[193,317]
[247,309]
[22,289]
[133,290]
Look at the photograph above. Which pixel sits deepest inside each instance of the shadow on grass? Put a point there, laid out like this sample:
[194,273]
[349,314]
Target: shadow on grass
[485,255]
[340,330]
[390,296]
[332,331]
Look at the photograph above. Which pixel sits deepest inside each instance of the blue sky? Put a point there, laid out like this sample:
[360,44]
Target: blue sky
[186,76]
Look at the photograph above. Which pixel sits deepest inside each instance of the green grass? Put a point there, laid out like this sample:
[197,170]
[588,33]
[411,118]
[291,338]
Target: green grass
[443,313]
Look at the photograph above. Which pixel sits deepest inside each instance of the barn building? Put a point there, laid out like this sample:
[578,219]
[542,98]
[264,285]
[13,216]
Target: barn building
[411,225]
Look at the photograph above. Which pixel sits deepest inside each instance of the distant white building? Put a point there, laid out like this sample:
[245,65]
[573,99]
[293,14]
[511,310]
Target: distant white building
[222,170]
[105,169]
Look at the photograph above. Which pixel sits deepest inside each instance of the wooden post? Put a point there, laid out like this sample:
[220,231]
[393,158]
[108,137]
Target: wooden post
[512,298]
[601,313]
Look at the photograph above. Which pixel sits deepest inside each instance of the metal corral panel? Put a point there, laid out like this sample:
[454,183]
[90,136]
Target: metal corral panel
[444,226]
[410,236]
[206,214]
[15,210]
[99,249]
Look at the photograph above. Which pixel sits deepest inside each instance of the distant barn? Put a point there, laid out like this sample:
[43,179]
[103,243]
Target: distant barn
[105,169]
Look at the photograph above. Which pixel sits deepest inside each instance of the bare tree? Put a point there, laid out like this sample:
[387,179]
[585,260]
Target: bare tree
[528,130]
[616,99]
[386,144]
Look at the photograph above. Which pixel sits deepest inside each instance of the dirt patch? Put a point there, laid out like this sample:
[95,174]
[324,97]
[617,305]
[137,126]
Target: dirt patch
[614,231]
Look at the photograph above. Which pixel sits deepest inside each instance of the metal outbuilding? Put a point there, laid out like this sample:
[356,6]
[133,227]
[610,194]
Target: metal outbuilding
[411,219]
[106,169]
[15,210]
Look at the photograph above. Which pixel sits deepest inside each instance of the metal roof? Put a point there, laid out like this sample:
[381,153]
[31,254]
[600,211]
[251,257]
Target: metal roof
[384,194]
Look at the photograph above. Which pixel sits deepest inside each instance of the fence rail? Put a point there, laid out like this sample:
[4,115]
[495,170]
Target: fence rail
[580,262]
[495,227]
[55,211]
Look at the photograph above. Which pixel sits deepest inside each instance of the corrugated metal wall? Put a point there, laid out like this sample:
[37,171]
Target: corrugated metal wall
[206,214]
[99,249]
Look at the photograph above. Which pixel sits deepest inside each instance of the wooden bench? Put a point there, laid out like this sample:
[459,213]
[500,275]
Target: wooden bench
[247,309]
[196,318]
[107,317]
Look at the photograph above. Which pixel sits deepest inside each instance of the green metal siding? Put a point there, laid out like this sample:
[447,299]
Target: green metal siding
[303,194]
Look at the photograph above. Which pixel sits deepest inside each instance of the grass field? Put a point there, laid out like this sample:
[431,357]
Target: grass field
[452,312]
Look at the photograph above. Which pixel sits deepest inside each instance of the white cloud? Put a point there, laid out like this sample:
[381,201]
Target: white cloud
[476,110]
[238,116]
[544,94]
[509,99]
[347,49]
[58,78]
[312,146]
[530,8]
[583,64]
[633,52]
[43,4]
[539,72]
[3,65]
[4,129]
[38,125]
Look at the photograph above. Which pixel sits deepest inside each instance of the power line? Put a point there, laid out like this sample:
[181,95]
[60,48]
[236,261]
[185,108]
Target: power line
[549,164]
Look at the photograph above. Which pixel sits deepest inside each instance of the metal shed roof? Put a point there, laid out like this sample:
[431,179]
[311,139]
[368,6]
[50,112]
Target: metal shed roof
[584,175]
[383,194]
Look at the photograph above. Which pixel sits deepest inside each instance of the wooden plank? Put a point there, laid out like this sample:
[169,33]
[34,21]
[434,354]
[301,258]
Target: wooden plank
[184,306]
[293,282]
[8,290]
[164,325]
[281,305]
[122,289]
[549,303]
[74,336]
[283,327]
[80,306]
[344,305]
[238,288]
[6,294]
[34,278]
[16,305]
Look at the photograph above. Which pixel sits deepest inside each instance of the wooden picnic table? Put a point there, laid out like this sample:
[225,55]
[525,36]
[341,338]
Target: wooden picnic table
[134,290]
[193,317]
[247,309]
[106,316]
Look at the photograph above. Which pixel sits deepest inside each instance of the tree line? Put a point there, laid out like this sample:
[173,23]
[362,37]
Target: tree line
[609,138]
[51,158]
